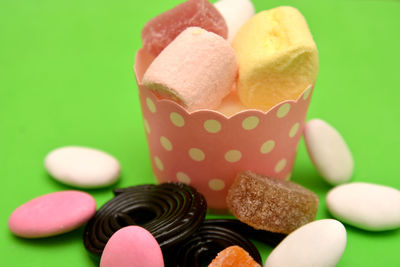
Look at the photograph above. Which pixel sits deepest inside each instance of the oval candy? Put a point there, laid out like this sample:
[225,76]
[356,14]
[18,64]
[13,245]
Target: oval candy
[319,244]
[82,167]
[52,214]
[365,205]
[132,246]
[328,152]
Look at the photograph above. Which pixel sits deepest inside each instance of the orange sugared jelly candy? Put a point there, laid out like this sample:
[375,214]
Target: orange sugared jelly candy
[233,256]
[271,204]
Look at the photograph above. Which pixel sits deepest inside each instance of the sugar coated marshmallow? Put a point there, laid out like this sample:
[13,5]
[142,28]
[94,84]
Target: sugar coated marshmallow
[318,244]
[132,246]
[364,205]
[82,167]
[197,70]
[277,57]
[271,204]
[161,30]
[235,13]
[328,151]
[52,214]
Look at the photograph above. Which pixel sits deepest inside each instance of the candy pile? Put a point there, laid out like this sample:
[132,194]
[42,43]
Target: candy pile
[272,56]
[165,225]
[174,214]
[268,58]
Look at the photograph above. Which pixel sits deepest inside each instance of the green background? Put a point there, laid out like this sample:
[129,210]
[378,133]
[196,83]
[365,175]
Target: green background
[66,79]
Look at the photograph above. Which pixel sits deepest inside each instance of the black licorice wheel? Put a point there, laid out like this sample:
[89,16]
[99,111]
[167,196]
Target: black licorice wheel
[266,237]
[212,237]
[171,212]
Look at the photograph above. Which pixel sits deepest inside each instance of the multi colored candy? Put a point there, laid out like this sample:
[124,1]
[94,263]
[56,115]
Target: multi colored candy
[201,247]
[170,212]
[173,213]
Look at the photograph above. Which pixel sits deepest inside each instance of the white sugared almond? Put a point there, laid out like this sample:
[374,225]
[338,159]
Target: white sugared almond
[82,167]
[319,244]
[364,205]
[328,151]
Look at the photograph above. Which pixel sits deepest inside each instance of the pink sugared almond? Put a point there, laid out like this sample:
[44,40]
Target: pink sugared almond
[132,246]
[52,214]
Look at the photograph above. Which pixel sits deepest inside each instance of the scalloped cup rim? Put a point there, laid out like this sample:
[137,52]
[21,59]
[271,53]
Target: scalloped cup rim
[141,51]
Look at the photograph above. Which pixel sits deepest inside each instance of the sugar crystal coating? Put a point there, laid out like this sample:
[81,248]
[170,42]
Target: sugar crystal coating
[161,30]
[233,256]
[271,204]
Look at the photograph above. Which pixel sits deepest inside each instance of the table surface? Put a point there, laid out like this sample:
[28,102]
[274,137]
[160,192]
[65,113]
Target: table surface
[66,79]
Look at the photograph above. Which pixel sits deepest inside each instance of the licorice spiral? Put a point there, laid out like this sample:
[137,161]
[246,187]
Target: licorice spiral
[266,237]
[202,247]
[171,212]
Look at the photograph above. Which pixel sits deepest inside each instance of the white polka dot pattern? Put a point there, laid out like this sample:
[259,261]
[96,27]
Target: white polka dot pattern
[250,122]
[146,126]
[206,150]
[183,177]
[196,154]
[280,165]
[212,126]
[177,119]
[166,143]
[159,163]
[216,184]
[233,156]
[294,130]
[267,147]
[283,110]
[151,105]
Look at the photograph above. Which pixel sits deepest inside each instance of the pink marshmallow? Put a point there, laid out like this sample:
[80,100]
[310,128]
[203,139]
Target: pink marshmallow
[132,246]
[197,70]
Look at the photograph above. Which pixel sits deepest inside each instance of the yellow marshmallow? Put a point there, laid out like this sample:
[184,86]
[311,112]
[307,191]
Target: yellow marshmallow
[277,57]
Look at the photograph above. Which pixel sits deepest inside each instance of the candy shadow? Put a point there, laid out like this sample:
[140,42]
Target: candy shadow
[93,191]
[310,179]
[363,232]
[58,240]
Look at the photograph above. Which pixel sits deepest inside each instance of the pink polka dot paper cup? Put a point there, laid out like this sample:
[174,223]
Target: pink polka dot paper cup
[206,149]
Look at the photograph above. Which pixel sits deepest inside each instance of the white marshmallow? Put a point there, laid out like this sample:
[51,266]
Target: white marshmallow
[235,13]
